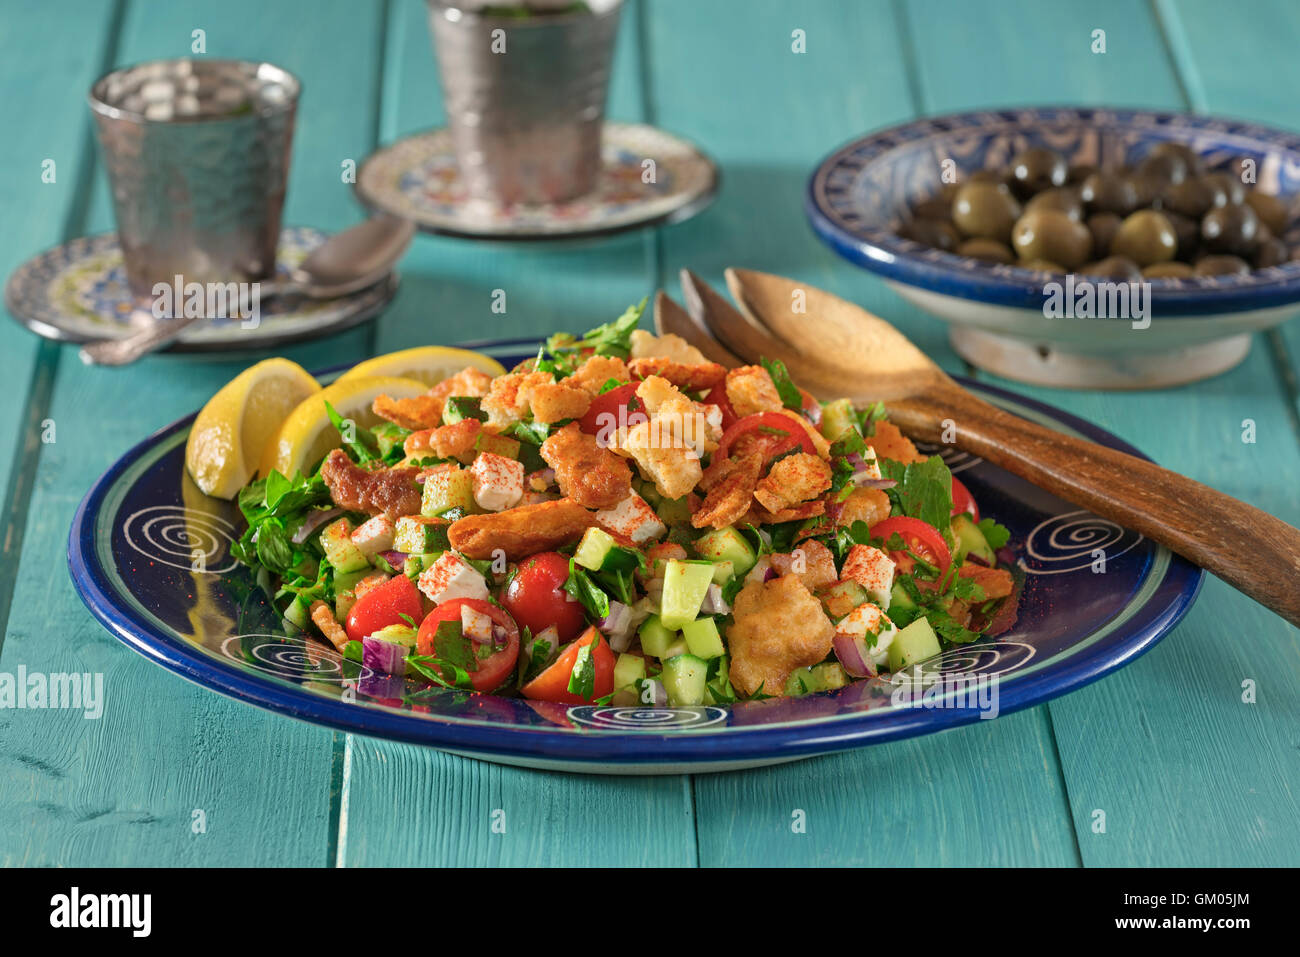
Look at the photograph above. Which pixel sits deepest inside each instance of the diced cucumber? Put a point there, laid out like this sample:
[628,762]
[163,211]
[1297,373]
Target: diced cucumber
[446,489]
[655,638]
[678,647]
[914,643]
[596,544]
[455,409]
[830,675]
[685,585]
[498,445]
[900,600]
[723,572]
[727,544]
[702,638]
[336,540]
[297,612]
[842,597]
[344,598]
[970,540]
[674,511]
[685,678]
[837,416]
[417,534]
[628,670]
[397,634]
[417,563]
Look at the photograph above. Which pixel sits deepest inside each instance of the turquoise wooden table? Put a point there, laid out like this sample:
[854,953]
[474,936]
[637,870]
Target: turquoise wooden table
[1182,765]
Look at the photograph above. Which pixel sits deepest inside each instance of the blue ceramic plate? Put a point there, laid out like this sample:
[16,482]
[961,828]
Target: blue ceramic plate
[149,555]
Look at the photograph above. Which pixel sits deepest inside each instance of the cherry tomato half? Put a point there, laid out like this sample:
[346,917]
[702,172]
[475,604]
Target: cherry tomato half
[793,433]
[493,664]
[963,500]
[537,599]
[553,683]
[612,410]
[384,606]
[718,396]
[925,541]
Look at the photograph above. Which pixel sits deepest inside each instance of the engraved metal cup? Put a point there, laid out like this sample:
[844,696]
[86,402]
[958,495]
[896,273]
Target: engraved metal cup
[197,153]
[525,97]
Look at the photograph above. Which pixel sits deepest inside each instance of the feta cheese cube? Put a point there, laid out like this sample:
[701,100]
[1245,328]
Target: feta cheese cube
[873,464]
[452,577]
[498,481]
[872,569]
[632,518]
[475,625]
[374,536]
[872,625]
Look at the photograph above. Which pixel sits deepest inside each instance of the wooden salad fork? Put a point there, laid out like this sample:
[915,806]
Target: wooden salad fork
[834,348]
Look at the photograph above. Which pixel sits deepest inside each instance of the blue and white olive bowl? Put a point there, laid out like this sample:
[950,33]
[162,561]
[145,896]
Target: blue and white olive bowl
[860,196]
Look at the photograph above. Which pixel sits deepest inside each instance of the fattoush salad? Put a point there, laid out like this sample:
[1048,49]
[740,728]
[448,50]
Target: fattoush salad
[620,520]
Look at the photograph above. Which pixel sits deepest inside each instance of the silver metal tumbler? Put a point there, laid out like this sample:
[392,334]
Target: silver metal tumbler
[525,96]
[197,153]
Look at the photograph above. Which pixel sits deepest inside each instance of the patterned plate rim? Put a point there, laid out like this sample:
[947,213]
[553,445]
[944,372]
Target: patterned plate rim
[691,206]
[1159,604]
[884,252]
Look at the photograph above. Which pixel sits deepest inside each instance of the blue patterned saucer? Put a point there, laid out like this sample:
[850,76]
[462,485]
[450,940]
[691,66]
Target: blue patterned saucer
[150,556]
[77,292]
[417,178]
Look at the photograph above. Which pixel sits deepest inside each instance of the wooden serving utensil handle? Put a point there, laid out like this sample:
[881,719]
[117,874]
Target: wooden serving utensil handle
[1247,548]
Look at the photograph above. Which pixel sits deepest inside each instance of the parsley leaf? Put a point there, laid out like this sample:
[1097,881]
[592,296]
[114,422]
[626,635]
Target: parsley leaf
[582,679]
[789,393]
[586,592]
[466,407]
[924,490]
[996,535]
[359,443]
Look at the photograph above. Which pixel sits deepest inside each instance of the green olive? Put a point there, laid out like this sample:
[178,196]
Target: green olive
[985,210]
[1165,167]
[1113,267]
[1190,159]
[1077,174]
[935,207]
[932,232]
[1234,190]
[1192,197]
[1188,233]
[987,250]
[1145,237]
[1231,229]
[1051,234]
[1109,193]
[1103,227]
[1272,210]
[1169,270]
[1036,169]
[1222,266]
[1270,252]
[1064,198]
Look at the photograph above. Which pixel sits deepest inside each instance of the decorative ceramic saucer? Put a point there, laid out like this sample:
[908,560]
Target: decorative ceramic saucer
[417,178]
[77,292]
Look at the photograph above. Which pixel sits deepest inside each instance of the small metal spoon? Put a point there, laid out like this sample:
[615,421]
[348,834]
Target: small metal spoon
[345,263]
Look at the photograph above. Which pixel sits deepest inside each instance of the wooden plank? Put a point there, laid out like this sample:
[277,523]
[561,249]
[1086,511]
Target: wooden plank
[974,795]
[445,804]
[1264,70]
[48,125]
[1147,745]
[122,790]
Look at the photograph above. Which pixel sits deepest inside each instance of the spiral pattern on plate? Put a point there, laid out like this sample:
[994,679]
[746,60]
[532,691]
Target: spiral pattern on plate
[172,534]
[292,659]
[1067,543]
[646,718]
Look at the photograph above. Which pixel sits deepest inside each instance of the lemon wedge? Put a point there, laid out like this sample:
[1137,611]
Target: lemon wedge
[428,364]
[226,441]
[306,434]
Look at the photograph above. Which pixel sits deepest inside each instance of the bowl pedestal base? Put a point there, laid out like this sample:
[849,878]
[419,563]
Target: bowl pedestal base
[1052,365]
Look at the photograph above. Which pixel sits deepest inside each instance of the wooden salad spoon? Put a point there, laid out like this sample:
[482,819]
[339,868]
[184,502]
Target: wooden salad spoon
[834,348]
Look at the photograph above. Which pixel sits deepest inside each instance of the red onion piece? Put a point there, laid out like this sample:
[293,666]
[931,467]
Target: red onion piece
[976,559]
[313,521]
[714,603]
[865,482]
[852,655]
[388,657]
[1005,555]
[760,570]
[396,559]
[618,619]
